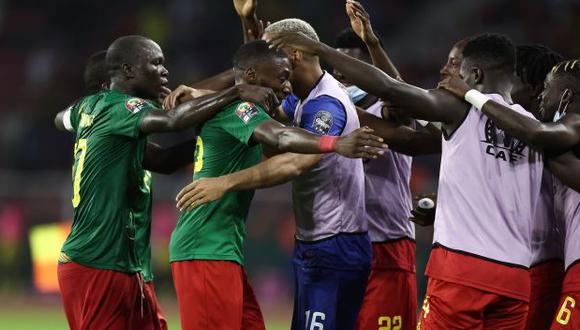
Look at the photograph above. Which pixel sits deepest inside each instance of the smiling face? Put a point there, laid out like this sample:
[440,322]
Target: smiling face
[274,72]
[550,97]
[454,60]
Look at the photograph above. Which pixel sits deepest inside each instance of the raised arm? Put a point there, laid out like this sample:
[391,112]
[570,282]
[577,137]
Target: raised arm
[401,138]
[360,143]
[273,171]
[566,168]
[252,27]
[360,22]
[431,105]
[197,111]
[166,160]
[561,135]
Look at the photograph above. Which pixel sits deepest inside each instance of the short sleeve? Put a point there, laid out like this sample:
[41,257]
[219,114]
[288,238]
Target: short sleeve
[324,115]
[127,116]
[289,106]
[240,120]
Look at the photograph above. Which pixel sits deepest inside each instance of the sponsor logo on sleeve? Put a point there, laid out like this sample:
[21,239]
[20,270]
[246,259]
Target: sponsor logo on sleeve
[322,122]
[246,111]
[135,104]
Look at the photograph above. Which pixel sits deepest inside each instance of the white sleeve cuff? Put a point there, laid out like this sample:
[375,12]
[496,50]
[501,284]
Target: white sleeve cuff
[66,121]
[476,98]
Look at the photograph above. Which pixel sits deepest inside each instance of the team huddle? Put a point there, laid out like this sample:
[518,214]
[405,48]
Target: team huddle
[503,118]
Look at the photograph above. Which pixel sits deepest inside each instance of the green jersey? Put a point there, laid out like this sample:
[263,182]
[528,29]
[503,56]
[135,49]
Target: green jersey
[216,231]
[108,148]
[141,206]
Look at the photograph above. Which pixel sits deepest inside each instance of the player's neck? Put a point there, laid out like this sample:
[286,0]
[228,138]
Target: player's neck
[120,87]
[499,86]
[306,80]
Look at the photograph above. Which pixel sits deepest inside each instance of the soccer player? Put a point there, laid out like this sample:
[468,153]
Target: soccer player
[99,267]
[475,279]
[533,64]
[557,101]
[332,253]
[166,160]
[391,293]
[206,245]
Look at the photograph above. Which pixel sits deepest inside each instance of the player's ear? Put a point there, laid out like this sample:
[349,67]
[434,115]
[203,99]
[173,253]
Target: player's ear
[250,75]
[567,96]
[128,70]
[296,55]
[477,75]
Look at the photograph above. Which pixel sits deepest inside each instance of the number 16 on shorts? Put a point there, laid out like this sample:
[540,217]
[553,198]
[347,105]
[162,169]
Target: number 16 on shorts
[316,322]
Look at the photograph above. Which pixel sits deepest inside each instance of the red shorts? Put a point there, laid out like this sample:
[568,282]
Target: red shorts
[567,314]
[154,306]
[391,296]
[215,295]
[454,306]
[101,299]
[546,280]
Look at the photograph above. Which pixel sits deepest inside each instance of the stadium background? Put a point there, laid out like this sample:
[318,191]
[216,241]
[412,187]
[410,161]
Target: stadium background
[43,49]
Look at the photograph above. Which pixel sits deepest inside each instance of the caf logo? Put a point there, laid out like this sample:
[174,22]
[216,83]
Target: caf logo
[135,104]
[501,145]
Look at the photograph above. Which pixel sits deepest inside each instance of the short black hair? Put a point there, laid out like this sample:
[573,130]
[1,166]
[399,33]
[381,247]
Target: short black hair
[534,62]
[347,38]
[491,50]
[96,73]
[126,49]
[253,52]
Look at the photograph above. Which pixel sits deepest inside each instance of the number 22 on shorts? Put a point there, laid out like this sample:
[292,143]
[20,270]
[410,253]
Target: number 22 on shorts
[390,323]
[314,323]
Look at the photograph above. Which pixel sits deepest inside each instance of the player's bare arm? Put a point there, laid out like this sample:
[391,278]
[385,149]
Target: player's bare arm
[271,172]
[432,105]
[360,143]
[561,135]
[401,138]
[251,26]
[218,82]
[183,94]
[166,160]
[566,168]
[197,111]
[360,22]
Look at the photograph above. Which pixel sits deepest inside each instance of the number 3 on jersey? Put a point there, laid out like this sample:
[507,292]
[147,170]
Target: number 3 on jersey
[80,153]
[198,164]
